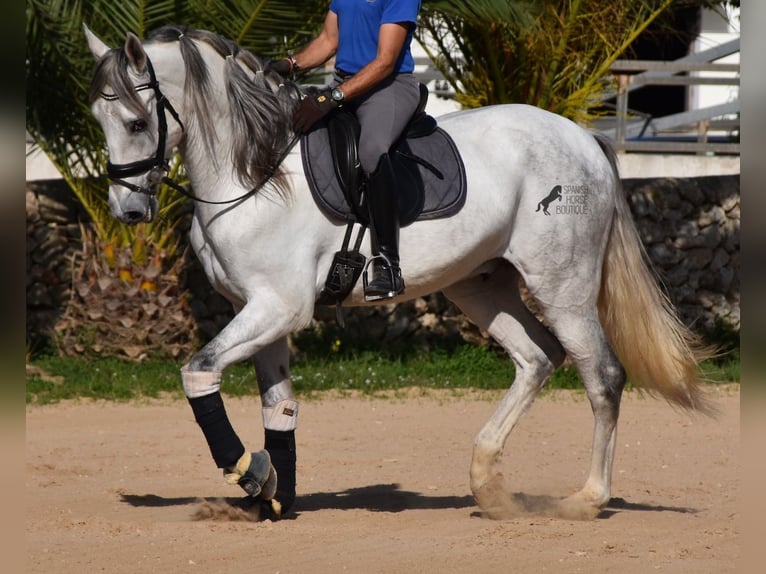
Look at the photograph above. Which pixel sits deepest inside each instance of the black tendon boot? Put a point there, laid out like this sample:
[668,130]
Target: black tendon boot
[281,446]
[386,279]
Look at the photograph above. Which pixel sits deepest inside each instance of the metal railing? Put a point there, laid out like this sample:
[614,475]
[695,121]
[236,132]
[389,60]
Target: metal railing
[708,130]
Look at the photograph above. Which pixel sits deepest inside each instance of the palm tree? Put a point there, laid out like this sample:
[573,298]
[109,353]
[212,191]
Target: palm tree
[126,282]
[554,54]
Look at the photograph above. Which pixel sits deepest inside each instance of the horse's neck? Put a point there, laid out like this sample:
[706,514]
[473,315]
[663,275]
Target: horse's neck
[208,139]
[267,235]
[266,207]
[212,178]
[206,166]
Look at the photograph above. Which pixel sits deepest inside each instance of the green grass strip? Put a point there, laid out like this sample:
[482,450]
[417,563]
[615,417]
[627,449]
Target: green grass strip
[52,378]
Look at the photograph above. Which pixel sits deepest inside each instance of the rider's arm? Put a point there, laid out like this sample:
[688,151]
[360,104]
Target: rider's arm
[390,43]
[321,48]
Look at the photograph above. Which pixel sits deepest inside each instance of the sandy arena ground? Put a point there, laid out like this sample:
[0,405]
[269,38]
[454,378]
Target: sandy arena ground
[383,487]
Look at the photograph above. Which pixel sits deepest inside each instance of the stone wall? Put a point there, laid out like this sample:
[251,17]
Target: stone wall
[690,228]
[53,235]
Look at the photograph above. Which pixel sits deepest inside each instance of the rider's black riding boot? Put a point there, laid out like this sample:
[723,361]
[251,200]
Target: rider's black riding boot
[386,279]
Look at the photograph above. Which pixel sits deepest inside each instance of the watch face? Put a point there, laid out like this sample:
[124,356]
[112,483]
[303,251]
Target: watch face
[337,95]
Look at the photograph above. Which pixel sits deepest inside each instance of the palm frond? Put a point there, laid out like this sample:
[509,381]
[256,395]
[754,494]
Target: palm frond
[551,53]
[265,27]
[515,13]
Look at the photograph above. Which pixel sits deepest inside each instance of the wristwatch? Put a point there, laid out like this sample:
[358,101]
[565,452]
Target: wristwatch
[337,95]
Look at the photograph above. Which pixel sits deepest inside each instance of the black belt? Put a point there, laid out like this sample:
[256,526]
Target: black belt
[343,74]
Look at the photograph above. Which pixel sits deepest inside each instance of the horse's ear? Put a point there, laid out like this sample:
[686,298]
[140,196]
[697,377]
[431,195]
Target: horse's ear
[134,50]
[97,47]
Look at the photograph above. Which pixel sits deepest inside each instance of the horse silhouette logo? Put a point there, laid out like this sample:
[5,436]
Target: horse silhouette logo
[552,196]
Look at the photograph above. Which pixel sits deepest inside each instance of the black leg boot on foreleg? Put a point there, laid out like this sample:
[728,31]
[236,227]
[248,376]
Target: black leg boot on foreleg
[253,472]
[281,446]
[383,206]
[279,422]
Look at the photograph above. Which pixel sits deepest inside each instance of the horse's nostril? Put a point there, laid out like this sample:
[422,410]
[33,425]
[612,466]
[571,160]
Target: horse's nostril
[133,217]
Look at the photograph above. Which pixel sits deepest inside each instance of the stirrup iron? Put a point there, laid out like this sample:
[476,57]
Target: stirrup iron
[395,280]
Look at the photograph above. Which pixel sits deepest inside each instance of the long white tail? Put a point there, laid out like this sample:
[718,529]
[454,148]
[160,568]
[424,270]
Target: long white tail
[659,353]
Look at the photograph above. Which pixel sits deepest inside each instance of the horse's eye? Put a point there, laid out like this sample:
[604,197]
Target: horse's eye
[138,126]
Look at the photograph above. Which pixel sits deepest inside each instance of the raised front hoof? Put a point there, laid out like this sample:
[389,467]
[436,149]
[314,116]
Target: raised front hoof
[255,474]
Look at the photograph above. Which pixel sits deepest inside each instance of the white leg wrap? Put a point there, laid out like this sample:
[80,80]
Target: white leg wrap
[281,417]
[200,383]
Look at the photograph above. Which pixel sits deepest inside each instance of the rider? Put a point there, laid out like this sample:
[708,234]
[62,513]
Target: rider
[374,76]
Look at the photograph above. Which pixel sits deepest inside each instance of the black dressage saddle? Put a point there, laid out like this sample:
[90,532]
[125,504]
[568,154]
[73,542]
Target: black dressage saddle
[429,171]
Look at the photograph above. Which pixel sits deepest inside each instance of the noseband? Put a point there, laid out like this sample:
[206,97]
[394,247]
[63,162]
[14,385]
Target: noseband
[156,166]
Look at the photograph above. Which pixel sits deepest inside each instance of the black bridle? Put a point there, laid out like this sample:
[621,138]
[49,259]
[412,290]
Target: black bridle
[157,167]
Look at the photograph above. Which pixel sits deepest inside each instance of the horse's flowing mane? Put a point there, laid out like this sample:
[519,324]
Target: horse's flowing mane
[261,106]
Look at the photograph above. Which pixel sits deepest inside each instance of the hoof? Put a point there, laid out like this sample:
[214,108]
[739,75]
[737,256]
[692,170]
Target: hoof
[269,488]
[269,509]
[498,503]
[256,509]
[255,474]
[578,507]
[495,501]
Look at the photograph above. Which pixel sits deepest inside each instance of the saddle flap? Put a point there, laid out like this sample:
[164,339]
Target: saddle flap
[343,131]
[409,183]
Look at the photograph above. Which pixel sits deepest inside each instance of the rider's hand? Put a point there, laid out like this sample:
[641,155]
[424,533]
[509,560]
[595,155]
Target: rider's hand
[312,109]
[283,67]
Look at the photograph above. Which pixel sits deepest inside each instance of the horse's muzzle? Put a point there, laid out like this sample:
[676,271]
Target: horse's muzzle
[133,208]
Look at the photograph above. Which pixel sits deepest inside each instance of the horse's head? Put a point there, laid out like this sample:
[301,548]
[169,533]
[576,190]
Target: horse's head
[128,103]
[237,116]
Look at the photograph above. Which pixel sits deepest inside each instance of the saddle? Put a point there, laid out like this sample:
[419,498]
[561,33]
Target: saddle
[430,175]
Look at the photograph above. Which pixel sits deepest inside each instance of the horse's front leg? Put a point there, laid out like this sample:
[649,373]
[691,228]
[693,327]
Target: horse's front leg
[258,331]
[280,415]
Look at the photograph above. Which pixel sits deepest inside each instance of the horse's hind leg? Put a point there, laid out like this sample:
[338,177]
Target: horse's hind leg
[493,302]
[579,330]
[604,379]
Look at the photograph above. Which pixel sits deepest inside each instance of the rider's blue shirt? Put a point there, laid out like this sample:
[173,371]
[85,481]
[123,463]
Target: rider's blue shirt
[358,28]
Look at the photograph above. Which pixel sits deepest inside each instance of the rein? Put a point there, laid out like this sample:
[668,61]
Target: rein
[183,191]
[156,167]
